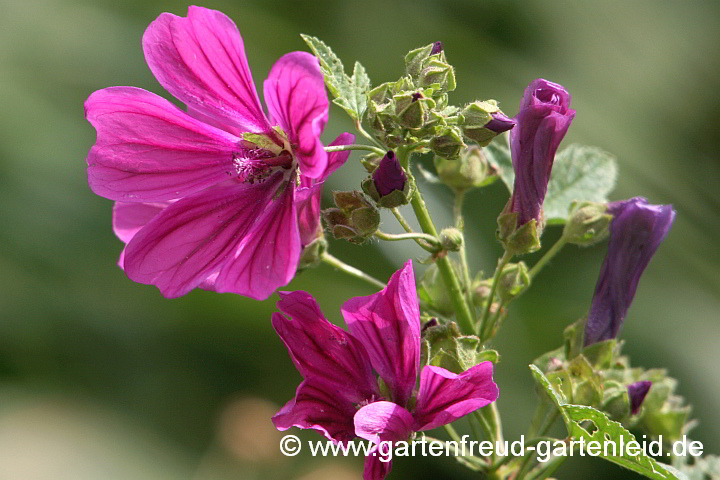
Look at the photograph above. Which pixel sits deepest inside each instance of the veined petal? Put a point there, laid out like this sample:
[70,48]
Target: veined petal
[149,150]
[313,407]
[192,238]
[323,352]
[200,59]
[383,422]
[388,325]
[296,99]
[268,256]
[338,159]
[443,396]
[308,201]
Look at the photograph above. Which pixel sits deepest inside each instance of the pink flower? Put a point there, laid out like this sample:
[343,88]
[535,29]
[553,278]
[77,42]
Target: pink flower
[339,396]
[222,196]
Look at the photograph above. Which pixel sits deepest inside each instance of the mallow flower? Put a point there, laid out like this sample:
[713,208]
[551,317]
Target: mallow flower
[340,396]
[636,231]
[543,120]
[221,196]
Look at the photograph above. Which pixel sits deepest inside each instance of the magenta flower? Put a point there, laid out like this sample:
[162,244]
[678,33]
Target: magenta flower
[222,196]
[636,231]
[542,121]
[340,397]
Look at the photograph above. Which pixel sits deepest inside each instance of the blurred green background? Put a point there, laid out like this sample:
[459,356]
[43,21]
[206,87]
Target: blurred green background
[103,378]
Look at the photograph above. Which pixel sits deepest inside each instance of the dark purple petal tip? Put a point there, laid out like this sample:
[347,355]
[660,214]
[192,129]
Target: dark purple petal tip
[437,48]
[389,175]
[637,392]
[500,123]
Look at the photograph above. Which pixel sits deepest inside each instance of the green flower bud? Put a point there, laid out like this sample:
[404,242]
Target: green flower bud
[589,223]
[451,239]
[470,170]
[356,219]
[517,241]
[448,143]
[411,109]
[312,254]
[415,60]
[439,76]
[514,280]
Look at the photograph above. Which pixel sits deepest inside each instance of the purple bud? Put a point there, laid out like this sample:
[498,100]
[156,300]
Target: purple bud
[636,231]
[637,392]
[500,123]
[389,175]
[437,48]
[416,96]
[542,122]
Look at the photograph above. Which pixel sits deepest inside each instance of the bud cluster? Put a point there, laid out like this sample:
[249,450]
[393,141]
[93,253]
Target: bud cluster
[355,219]
[416,108]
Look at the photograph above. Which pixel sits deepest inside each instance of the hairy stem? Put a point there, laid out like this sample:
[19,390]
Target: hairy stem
[485,324]
[350,270]
[428,239]
[554,250]
[460,225]
[342,148]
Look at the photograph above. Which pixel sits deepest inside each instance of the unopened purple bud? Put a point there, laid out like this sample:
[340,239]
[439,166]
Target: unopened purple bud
[542,122]
[636,231]
[416,96]
[437,48]
[637,392]
[500,123]
[389,175]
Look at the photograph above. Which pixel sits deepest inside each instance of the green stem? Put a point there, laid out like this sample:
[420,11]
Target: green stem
[460,225]
[547,469]
[406,226]
[390,237]
[342,148]
[462,311]
[359,128]
[554,250]
[485,326]
[489,419]
[352,271]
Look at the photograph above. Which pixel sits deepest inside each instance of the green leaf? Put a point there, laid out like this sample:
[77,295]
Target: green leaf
[593,425]
[579,173]
[350,92]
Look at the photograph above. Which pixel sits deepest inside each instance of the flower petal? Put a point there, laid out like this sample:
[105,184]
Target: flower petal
[323,352]
[388,325]
[314,408]
[200,59]
[374,468]
[296,99]
[268,256]
[309,198]
[149,150]
[189,240]
[444,397]
[383,422]
[129,218]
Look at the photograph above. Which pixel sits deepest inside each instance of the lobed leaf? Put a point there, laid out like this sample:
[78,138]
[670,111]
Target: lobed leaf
[350,93]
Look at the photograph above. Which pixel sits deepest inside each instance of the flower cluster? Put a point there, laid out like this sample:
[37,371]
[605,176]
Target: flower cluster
[340,396]
[224,197]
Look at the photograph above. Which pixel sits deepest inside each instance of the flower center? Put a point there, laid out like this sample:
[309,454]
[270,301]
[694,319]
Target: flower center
[257,164]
